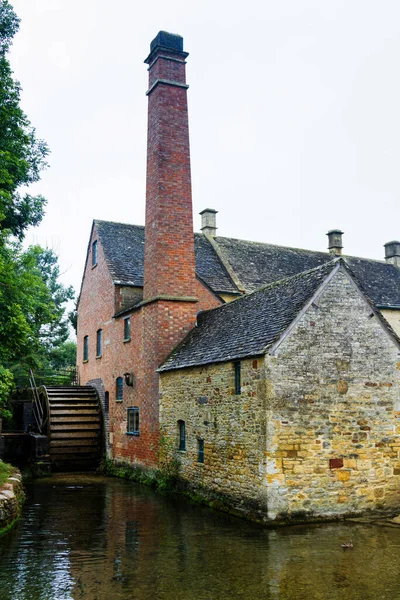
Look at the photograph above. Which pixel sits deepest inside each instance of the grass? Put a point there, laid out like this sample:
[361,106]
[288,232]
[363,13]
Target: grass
[5,471]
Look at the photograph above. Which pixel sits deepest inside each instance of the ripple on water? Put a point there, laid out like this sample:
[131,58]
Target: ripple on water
[101,539]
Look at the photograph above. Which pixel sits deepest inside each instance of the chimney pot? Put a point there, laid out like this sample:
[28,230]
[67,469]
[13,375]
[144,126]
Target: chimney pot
[208,222]
[335,244]
[392,253]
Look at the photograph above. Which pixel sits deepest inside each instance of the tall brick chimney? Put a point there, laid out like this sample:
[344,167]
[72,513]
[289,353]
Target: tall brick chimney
[169,264]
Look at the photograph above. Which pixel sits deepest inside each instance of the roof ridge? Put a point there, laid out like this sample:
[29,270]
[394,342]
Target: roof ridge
[275,284]
[294,248]
[117,223]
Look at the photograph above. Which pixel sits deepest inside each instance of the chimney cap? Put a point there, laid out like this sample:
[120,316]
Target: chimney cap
[390,243]
[392,251]
[169,42]
[337,231]
[208,210]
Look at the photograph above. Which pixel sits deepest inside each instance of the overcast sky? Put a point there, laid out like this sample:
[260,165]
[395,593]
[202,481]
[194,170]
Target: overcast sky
[294,110]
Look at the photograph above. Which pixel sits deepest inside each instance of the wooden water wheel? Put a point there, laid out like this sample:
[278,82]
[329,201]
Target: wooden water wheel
[74,424]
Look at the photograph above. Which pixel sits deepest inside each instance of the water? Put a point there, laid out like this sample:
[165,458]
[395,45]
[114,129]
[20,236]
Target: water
[105,539]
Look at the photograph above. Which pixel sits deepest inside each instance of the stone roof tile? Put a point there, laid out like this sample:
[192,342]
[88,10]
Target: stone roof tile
[249,325]
[254,264]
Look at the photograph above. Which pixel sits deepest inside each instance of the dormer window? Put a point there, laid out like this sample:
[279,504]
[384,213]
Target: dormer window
[94,253]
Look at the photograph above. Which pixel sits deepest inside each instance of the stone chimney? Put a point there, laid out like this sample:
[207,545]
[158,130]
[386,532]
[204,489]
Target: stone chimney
[209,221]
[335,242]
[392,253]
[169,264]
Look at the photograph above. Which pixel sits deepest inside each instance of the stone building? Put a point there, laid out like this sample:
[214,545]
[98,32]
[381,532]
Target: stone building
[273,370]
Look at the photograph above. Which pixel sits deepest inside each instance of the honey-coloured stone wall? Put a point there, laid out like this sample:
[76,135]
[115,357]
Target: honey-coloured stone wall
[315,431]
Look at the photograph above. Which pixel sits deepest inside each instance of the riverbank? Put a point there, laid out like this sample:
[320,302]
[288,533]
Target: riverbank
[11,497]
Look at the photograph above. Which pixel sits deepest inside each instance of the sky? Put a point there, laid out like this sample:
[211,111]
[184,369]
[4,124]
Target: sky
[294,112]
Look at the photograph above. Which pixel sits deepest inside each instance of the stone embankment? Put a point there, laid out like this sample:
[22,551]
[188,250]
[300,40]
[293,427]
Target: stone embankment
[11,498]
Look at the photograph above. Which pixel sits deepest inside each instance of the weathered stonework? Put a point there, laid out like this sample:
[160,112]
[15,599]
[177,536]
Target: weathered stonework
[11,497]
[315,432]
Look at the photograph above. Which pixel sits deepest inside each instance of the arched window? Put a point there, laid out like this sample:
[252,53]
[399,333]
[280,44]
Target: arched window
[119,388]
[182,435]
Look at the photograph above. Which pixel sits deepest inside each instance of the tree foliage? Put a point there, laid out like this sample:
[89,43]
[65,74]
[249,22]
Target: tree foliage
[22,155]
[33,323]
[33,326]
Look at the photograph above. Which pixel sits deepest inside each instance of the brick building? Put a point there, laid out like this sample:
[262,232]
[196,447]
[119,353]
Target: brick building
[269,367]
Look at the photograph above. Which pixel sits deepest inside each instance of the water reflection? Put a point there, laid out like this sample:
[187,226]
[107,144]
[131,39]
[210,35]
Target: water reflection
[99,539]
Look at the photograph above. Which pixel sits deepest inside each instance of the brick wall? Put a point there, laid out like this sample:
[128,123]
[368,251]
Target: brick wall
[170,283]
[169,264]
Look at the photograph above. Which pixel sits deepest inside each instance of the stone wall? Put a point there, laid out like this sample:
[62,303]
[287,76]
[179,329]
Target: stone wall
[333,397]
[315,432]
[231,425]
[11,496]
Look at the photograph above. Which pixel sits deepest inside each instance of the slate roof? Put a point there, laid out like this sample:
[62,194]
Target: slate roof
[249,325]
[123,247]
[380,281]
[254,264]
[210,268]
[257,264]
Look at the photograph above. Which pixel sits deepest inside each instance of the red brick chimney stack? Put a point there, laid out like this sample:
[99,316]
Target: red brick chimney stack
[169,264]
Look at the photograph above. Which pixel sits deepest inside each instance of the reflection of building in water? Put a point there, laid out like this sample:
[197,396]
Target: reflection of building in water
[273,370]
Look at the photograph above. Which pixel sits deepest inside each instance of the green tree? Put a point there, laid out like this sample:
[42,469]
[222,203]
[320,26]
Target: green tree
[63,356]
[22,155]
[33,322]
[33,325]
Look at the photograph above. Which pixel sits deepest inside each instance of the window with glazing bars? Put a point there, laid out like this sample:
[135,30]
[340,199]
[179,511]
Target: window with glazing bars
[133,420]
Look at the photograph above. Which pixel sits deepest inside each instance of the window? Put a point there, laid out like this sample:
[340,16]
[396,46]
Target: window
[238,384]
[119,388]
[127,329]
[200,454]
[86,347]
[94,254]
[133,421]
[106,403]
[182,435]
[99,340]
